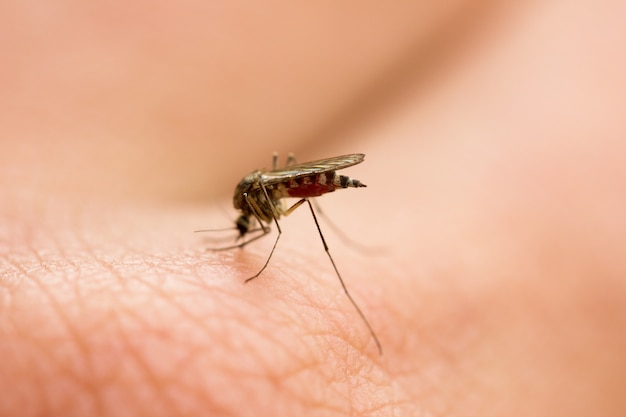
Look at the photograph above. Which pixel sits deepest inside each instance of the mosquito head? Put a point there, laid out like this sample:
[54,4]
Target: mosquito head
[246,186]
[243,225]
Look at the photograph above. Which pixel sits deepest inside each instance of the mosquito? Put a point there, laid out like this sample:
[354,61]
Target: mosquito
[259,197]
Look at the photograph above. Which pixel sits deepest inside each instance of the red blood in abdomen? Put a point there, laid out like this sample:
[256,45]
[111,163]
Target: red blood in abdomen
[310,190]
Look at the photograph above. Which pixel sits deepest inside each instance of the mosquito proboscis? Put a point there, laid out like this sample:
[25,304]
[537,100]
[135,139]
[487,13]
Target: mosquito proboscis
[259,198]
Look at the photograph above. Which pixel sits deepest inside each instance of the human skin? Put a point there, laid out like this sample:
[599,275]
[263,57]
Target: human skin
[493,218]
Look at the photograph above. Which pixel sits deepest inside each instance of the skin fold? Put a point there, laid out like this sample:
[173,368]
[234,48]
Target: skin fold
[486,251]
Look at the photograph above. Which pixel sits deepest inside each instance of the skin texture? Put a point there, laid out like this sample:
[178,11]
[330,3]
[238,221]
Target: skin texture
[493,214]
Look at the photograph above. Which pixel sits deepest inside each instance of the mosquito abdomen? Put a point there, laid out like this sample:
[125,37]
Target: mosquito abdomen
[345,182]
[316,185]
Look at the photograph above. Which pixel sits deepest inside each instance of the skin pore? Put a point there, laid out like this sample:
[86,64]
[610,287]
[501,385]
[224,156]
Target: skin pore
[493,203]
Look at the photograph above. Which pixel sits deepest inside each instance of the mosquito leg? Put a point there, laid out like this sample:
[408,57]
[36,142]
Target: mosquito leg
[275,160]
[286,213]
[275,216]
[291,159]
[242,244]
[295,206]
[267,261]
[347,240]
[345,289]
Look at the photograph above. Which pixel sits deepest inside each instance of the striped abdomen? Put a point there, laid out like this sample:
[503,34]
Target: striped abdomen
[315,185]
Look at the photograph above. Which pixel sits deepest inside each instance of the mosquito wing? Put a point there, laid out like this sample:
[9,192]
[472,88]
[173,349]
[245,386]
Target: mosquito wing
[310,168]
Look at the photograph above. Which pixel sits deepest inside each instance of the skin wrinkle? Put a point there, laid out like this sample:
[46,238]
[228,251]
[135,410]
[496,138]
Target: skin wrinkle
[9,283]
[149,374]
[339,385]
[305,316]
[66,320]
[248,314]
[160,382]
[77,342]
[433,353]
[296,285]
[198,322]
[337,324]
[23,340]
[295,289]
[327,319]
[336,301]
[167,297]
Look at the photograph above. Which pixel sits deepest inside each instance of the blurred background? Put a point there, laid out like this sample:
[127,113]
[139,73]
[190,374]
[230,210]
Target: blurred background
[177,101]
[494,134]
